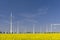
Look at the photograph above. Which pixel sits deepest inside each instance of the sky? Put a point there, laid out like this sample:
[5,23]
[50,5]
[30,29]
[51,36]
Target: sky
[28,13]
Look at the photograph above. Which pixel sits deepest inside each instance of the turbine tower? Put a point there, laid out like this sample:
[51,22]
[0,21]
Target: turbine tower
[51,27]
[33,28]
[11,23]
[46,28]
[17,27]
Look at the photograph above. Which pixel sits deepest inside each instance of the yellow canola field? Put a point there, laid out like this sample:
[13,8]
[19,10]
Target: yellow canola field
[29,36]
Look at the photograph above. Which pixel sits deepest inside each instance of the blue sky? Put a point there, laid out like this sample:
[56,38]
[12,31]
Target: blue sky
[29,12]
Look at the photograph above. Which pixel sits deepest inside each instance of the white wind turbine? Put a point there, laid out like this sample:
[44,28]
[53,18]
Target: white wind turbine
[11,23]
[33,28]
[17,27]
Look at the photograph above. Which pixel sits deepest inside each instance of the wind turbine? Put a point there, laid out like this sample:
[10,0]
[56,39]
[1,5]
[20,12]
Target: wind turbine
[46,28]
[33,28]
[55,25]
[40,28]
[51,27]
[17,27]
[11,23]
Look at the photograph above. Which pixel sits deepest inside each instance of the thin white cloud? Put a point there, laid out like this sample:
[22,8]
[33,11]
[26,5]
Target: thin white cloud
[31,20]
[27,15]
[40,11]
[30,17]
[2,16]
